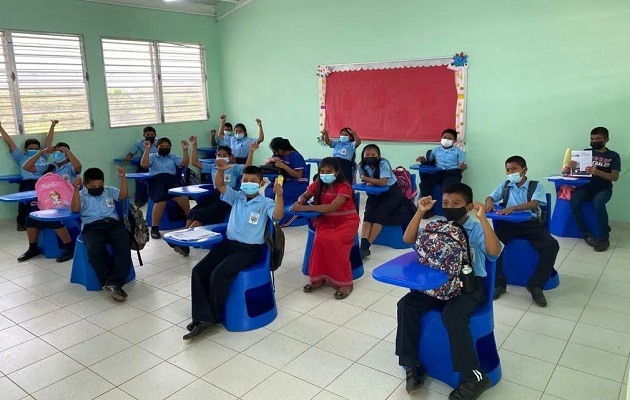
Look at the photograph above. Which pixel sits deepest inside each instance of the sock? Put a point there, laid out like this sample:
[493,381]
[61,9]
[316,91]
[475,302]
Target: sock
[155,228]
[32,246]
[365,245]
[472,375]
[68,246]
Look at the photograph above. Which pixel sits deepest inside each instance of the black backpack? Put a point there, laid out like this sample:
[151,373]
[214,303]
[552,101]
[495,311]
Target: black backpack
[542,218]
[275,242]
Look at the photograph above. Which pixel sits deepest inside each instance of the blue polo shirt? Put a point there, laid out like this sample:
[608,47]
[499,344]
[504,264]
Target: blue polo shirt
[448,158]
[477,246]
[248,218]
[226,141]
[240,147]
[139,147]
[385,172]
[95,208]
[164,165]
[21,157]
[343,150]
[230,176]
[518,195]
[66,171]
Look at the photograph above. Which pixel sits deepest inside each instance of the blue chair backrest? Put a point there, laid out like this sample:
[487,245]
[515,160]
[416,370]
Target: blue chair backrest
[122,208]
[488,284]
[357,199]
[306,173]
[548,220]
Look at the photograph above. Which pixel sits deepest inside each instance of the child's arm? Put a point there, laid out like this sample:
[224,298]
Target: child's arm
[51,133]
[222,127]
[7,139]
[250,156]
[29,165]
[374,181]
[76,164]
[493,244]
[411,233]
[461,158]
[124,191]
[304,198]
[185,158]
[213,137]
[531,205]
[219,176]
[144,162]
[278,211]
[75,205]
[195,157]
[280,164]
[323,208]
[261,133]
[357,139]
[611,176]
[326,137]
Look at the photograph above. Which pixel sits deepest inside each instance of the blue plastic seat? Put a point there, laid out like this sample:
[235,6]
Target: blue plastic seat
[296,221]
[520,260]
[49,243]
[166,223]
[392,235]
[435,351]
[563,224]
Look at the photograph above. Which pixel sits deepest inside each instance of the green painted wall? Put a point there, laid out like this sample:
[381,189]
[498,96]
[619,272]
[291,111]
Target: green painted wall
[542,73]
[93,20]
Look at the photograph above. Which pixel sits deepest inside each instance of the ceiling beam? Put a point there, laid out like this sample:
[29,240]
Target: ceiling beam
[241,4]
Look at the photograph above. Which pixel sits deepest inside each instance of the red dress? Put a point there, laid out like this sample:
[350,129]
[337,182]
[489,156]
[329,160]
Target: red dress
[334,236]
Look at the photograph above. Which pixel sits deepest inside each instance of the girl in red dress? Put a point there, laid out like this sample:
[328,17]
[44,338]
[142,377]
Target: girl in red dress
[335,229]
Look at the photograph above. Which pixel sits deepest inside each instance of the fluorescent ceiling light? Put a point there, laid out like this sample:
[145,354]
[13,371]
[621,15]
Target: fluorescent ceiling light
[170,1]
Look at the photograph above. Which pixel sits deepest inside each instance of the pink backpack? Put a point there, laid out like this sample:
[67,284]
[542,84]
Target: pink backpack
[53,192]
[403,177]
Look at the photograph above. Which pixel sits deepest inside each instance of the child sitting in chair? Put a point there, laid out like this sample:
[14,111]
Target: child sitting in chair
[101,226]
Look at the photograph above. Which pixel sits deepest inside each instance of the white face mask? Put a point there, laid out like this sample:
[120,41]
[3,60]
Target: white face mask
[446,142]
[227,160]
[239,135]
[515,177]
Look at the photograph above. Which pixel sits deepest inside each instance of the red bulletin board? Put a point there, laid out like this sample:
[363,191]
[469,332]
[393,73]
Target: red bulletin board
[410,104]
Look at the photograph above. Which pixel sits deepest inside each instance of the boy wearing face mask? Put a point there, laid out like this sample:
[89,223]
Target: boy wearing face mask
[533,231]
[212,277]
[344,150]
[162,168]
[66,165]
[222,140]
[101,226]
[457,201]
[31,147]
[450,159]
[605,171]
[148,134]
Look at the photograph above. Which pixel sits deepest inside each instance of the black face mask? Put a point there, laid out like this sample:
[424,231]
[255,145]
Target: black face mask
[150,139]
[164,152]
[371,161]
[95,191]
[455,214]
[597,145]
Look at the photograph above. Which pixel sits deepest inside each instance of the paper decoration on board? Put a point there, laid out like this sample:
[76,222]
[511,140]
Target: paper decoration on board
[460,66]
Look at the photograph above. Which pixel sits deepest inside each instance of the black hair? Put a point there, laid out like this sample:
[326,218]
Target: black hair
[30,142]
[462,189]
[62,144]
[253,170]
[280,143]
[330,162]
[377,167]
[149,129]
[348,130]
[93,174]
[242,126]
[451,131]
[164,140]
[229,125]
[600,130]
[227,149]
[518,160]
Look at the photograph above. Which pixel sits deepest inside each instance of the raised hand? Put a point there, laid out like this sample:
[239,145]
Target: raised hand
[77,182]
[223,117]
[425,203]
[258,122]
[220,165]
[54,122]
[120,171]
[193,140]
[184,145]
[147,145]
[213,132]
[421,159]
[481,210]
[253,147]
[277,189]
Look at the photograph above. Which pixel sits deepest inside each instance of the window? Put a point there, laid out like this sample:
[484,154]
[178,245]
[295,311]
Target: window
[149,82]
[42,77]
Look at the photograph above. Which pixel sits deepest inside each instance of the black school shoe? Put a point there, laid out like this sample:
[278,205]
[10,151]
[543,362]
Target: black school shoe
[415,378]
[155,232]
[30,253]
[590,240]
[537,295]
[115,292]
[182,250]
[498,292]
[21,228]
[65,256]
[471,390]
[601,245]
[197,329]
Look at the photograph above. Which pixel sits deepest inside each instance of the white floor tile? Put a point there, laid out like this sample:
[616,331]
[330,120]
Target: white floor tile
[239,341]
[5,322]
[181,288]
[30,310]
[508,390]
[524,370]
[617,288]
[561,309]
[292,389]
[7,287]
[10,391]
[117,316]
[326,395]
[176,312]
[348,343]
[115,394]
[547,325]
[202,357]
[300,301]
[50,322]
[606,319]
[37,278]
[596,362]
[200,389]
[239,375]
[363,298]
[24,354]
[362,383]
[85,307]
[72,334]
[12,336]
[501,332]
[575,385]
[284,317]
[142,328]
[125,365]
[164,279]
[97,348]
[507,315]
[158,383]
[154,300]
[167,343]
[276,350]
[45,372]
[372,323]
[335,311]
[17,299]
[84,385]
[383,357]
[317,366]
[610,302]
[535,345]
[386,305]
[601,338]
[308,329]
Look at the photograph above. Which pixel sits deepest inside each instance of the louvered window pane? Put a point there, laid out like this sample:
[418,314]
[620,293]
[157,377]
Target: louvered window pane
[130,75]
[183,82]
[7,111]
[51,81]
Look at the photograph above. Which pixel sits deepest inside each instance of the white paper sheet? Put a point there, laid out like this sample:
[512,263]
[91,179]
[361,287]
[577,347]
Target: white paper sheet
[584,159]
[191,235]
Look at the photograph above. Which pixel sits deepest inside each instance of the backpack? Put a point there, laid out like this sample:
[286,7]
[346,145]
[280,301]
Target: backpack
[403,178]
[137,227]
[542,218]
[275,242]
[53,192]
[444,246]
[190,177]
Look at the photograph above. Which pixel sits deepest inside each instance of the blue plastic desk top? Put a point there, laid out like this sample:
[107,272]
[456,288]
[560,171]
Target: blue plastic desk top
[19,197]
[207,149]
[134,161]
[11,178]
[305,214]
[516,216]
[192,190]
[565,180]
[54,215]
[405,271]
[425,169]
[207,160]
[313,160]
[138,175]
[203,243]
[362,187]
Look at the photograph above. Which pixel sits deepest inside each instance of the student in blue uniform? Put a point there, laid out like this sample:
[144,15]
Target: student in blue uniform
[224,140]
[31,147]
[344,150]
[212,277]
[163,167]
[533,231]
[239,142]
[66,165]
[141,187]
[450,159]
[102,227]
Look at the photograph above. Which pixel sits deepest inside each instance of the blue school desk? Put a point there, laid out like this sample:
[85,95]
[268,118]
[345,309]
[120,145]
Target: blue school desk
[207,160]
[515,217]
[390,236]
[205,243]
[19,197]
[362,187]
[138,176]
[62,214]
[437,190]
[562,222]
[210,152]
[405,271]
[133,161]
[315,161]
[16,178]
[165,222]
[192,191]
[47,240]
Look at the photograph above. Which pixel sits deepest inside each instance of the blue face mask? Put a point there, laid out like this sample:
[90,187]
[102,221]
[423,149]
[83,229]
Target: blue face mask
[31,153]
[344,139]
[327,178]
[59,156]
[250,188]
[239,136]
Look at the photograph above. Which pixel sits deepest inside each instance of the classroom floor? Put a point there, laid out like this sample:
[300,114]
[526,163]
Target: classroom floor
[58,341]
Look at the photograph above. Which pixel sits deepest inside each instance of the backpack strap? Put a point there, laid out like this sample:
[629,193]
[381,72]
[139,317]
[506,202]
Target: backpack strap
[269,242]
[506,193]
[530,193]
[470,258]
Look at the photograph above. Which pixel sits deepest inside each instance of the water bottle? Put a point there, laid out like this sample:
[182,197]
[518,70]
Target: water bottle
[467,276]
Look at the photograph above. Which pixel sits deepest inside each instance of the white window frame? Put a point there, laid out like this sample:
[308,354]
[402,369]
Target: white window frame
[13,80]
[157,79]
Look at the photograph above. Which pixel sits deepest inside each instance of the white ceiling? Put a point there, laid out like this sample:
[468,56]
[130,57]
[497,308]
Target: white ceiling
[204,7]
